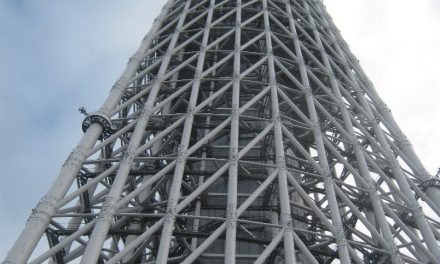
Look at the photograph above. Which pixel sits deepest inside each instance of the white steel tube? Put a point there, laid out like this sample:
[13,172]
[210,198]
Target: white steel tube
[190,197]
[270,248]
[363,167]
[403,142]
[99,234]
[174,192]
[195,254]
[328,185]
[201,188]
[231,209]
[39,219]
[421,221]
[286,218]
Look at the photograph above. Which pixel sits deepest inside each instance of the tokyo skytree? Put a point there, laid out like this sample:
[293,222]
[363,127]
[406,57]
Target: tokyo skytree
[241,131]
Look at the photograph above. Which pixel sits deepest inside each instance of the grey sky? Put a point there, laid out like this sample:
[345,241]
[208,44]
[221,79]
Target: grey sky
[58,55]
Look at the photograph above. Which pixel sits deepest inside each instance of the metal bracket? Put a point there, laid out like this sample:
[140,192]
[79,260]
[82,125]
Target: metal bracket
[98,118]
[429,183]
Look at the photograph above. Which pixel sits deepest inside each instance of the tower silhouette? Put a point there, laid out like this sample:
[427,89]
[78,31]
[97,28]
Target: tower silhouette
[241,131]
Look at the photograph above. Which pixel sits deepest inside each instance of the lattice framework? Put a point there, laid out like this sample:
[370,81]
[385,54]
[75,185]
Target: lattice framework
[241,131]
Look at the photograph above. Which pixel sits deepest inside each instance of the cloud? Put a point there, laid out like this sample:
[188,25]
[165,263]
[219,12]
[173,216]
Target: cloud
[397,45]
[56,56]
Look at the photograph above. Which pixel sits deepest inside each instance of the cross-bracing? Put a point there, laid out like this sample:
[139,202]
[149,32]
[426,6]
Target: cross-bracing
[241,131]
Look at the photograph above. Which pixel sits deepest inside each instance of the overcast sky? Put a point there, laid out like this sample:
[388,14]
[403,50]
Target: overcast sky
[58,55]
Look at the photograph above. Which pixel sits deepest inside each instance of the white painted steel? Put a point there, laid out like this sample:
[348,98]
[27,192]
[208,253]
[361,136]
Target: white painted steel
[242,130]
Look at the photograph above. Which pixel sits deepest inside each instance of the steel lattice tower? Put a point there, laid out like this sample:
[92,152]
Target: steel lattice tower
[241,131]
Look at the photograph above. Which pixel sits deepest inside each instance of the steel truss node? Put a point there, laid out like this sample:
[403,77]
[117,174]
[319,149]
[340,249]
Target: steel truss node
[241,131]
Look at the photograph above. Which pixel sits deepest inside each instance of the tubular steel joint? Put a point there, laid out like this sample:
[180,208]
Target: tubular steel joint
[429,183]
[101,119]
[245,127]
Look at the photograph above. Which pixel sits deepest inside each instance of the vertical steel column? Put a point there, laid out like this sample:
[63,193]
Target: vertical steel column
[136,223]
[286,217]
[302,99]
[231,210]
[198,205]
[103,224]
[403,142]
[40,217]
[174,191]
[322,155]
[51,201]
[421,221]
[214,235]
[339,157]
[194,194]
[363,167]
